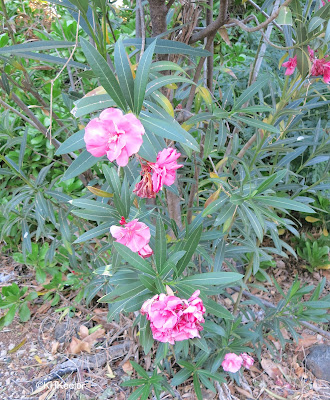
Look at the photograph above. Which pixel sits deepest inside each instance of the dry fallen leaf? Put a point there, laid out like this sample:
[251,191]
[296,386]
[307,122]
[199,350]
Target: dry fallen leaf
[92,338]
[77,346]
[270,368]
[127,367]
[307,341]
[83,331]
[110,373]
[55,346]
[245,393]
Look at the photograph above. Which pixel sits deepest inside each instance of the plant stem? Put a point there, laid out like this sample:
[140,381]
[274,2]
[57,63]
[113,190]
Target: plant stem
[10,31]
[246,277]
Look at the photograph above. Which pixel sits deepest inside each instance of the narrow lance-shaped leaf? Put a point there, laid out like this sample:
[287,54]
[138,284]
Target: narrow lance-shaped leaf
[124,73]
[81,164]
[74,142]
[142,75]
[134,259]
[102,70]
[160,252]
[190,247]
[250,92]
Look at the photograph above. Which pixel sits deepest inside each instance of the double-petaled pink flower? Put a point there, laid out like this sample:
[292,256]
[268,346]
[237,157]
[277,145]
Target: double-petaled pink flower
[233,363]
[160,173]
[290,65]
[135,235]
[117,135]
[321,67]
[173,319]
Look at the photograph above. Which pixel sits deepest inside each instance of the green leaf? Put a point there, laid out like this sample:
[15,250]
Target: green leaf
[137,393]
[139,369]
[271,181]
[112,179]
[214,375]
[160,252]
[258,124]
[253,220]
[24,312]
[36,46]
[255,109]
[189,247]
[212,278]
[211,326]
[123,292]
[165,80]
[209,140]
[169,47]
[89,104]
[166,66]
[303,61]
[250,92]
[93,205]
[285,203]
[314,23]
[201,343]
[214,206]
[172,131]
[146,338]
[197,387]
[284,16]
[148,282]
[134,259]
[26,236]
[82,163]
[216,309]
[92,233]
[51,59]
[102,70]
[124,73]
[98,216]
[180,377]
[142,76]
[8,319]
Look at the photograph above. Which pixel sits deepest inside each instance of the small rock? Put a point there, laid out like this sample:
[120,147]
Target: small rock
[11,346]
[318,361]
[61,333]
[3,353]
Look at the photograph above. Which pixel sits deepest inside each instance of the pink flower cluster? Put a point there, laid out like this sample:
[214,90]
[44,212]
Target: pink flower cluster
[320,67]
[135,235]
[114,134]
[156,175]
[173,319]
[232,362]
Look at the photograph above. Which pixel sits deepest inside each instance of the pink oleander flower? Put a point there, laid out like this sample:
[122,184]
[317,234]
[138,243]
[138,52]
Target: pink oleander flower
[117,135]
[134,234]
[164,169]
[232,362]
[290,65]
[247,360]
[321,67]
[324,3]
[173,319]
